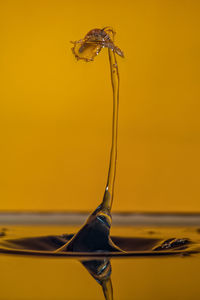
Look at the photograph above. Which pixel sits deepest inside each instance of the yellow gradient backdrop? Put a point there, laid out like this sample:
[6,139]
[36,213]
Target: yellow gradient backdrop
[55,112]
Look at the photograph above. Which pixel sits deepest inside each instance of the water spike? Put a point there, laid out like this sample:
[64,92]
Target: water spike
[95,233]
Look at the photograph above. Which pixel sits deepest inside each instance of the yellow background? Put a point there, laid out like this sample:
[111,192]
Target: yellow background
[55,112]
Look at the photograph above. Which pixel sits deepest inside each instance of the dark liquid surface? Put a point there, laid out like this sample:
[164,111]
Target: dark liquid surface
[152,244]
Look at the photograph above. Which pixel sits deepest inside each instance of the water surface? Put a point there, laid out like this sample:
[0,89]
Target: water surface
[33,277]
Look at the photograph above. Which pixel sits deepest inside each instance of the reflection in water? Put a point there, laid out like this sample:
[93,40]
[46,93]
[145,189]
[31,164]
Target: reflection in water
[146,242]
[98,263]
[101,271]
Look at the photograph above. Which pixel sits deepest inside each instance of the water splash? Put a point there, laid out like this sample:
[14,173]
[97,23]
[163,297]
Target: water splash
[95,233]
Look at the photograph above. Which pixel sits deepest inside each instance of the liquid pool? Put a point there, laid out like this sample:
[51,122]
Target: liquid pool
[145,274]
